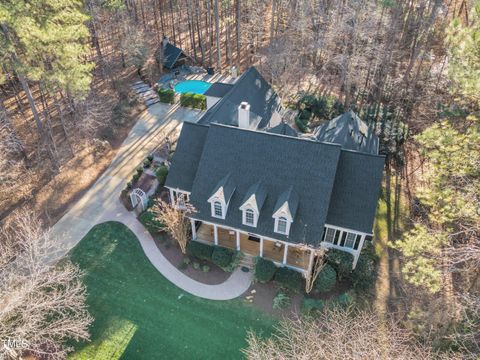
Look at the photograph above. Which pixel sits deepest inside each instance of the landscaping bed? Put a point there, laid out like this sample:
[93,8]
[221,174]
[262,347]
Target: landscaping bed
[171,250]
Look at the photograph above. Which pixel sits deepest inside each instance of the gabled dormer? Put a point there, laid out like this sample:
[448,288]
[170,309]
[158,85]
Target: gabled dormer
[221,196]
[252,204]
[285,210]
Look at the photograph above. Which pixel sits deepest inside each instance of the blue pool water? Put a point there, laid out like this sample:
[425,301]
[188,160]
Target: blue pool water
[192,86]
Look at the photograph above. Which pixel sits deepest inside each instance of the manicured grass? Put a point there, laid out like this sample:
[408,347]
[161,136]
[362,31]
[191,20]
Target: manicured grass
[141,315]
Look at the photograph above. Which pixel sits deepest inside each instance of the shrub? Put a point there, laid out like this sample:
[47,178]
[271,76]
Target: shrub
[182,266]
[196,265]
[309,304]
[205,268]
[186,99]
[187,260]
[147,163]
[150,157]
[264,270]
[301,126]
[281,301]
[161,174]
[222,257]
[343,300]
[166,95]
[199,250]
[237,256]
[363,277]
[149,219]
[326,279]
[289,278]
[341,261]
[197,101]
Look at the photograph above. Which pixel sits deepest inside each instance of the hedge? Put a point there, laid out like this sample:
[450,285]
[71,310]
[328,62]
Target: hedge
[363,277]
[166,95]
[199,250]
[222,257]
[309,304]
[341,261]
[149,219]
[326,279]
[192,100]
[264,270]
[161,174]
[289,278]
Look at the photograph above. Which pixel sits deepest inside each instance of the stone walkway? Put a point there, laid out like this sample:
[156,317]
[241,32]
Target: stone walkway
[101,202]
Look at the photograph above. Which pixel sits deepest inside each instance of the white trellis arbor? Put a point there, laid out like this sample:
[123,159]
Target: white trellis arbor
[138,196]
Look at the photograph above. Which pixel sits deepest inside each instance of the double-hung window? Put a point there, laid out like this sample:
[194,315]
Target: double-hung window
[249,217]
[217,209]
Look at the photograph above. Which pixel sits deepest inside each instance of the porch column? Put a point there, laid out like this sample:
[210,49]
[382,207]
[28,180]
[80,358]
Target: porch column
[238,240]
[215,234]
[194,231]
[172,198]
[310,261]
[261,246]
[285,254]
[357,252]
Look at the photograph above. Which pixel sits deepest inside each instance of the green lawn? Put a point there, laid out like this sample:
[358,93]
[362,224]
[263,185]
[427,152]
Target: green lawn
[141,315]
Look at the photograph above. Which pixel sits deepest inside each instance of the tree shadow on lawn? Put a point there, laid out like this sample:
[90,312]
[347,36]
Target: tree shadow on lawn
[141,315]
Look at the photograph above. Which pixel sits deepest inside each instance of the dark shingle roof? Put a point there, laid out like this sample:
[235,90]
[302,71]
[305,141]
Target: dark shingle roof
[187,156]
[218,89]
[291,198]
[252,88]
[349,131]
[228,187]
[283,129]
[281,162]
[171,53]
[257,189]
[355,193]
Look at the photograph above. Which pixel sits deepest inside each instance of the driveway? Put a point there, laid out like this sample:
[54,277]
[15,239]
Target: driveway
[102,200]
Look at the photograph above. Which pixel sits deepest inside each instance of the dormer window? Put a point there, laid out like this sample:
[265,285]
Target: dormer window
[284,211]
[249,217]
[217,209]
[221,196]
[282,225]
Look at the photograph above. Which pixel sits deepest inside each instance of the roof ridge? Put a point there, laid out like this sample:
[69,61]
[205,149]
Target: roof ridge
[278,135]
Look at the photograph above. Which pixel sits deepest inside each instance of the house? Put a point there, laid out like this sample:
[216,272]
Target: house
[274,195]
[253,91]
[171,55]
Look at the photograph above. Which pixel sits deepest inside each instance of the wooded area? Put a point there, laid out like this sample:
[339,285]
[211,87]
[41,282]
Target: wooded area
[410,69]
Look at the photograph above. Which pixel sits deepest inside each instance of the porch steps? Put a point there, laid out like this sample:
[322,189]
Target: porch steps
[247,261]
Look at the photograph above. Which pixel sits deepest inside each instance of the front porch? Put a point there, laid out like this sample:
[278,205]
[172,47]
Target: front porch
[282,253]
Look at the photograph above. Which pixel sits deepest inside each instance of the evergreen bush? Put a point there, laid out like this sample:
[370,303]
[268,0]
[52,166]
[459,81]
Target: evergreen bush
[161,174]
[199,250]
[166,95]
[341,261]
[222,257]
[326,279]
[264,270]
[289,278]
[149,219]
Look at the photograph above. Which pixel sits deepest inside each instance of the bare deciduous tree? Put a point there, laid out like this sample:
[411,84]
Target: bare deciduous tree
[337,334]
[175,221]
[41,304]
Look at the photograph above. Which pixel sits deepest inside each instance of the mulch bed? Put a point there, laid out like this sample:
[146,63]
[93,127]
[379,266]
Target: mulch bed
[172,252]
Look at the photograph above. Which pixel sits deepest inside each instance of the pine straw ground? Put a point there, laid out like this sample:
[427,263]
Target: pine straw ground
[141,315]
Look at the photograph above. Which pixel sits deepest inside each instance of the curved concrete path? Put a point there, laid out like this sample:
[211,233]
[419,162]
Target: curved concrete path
[101,203]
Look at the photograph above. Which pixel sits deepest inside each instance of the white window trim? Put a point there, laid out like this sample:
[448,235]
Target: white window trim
[244,217]
[174,197]
[212,208]
[277,230]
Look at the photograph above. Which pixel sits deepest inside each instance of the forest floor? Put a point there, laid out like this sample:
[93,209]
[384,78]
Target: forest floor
[139,314]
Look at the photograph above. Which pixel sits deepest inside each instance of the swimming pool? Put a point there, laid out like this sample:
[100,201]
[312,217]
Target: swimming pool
[192,86]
